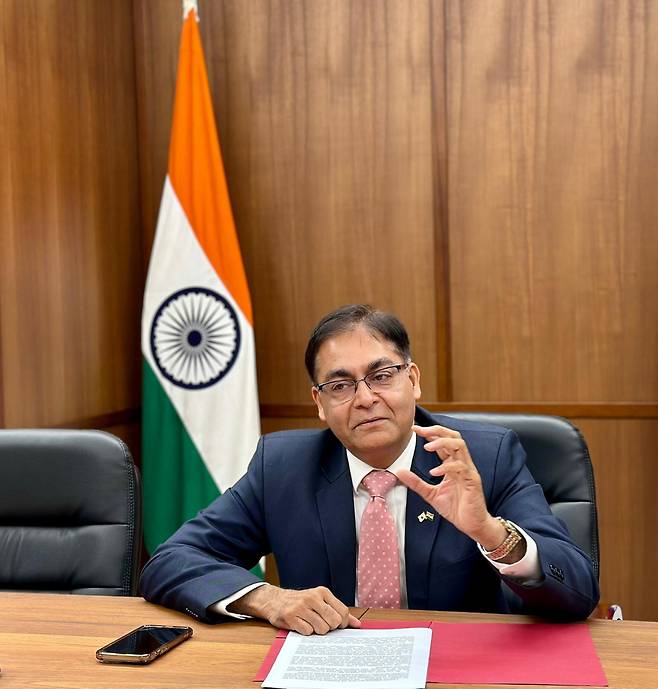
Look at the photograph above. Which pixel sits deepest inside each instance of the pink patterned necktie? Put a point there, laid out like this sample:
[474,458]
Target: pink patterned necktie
[378,570]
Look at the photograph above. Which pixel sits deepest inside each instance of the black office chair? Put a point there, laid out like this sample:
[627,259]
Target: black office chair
[559,460]
[70,513]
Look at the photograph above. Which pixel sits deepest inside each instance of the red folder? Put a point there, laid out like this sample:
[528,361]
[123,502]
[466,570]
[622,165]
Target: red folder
[497,653]
[502,653]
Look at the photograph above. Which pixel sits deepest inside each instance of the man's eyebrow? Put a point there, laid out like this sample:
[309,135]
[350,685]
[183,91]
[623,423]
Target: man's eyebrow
[379,363]
[337,373]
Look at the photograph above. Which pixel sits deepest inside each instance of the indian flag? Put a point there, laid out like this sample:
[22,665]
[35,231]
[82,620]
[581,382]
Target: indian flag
[200,401]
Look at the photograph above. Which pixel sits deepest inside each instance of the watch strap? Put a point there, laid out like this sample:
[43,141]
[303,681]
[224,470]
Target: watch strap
[508,545]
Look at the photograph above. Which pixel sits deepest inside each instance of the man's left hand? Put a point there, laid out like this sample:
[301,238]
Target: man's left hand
[459,497]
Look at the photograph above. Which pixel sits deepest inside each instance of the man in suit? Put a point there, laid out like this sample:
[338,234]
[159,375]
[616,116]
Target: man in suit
[389,506]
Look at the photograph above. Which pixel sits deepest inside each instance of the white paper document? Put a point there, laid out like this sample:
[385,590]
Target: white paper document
[360,658]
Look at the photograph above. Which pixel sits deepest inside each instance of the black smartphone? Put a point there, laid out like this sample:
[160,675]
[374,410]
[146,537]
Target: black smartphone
[144,644]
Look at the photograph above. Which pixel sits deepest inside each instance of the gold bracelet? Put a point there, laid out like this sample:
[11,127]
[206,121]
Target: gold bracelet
[508,545]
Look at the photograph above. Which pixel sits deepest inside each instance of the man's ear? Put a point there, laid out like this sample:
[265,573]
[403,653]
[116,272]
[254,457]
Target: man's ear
[414,375]
[315,393]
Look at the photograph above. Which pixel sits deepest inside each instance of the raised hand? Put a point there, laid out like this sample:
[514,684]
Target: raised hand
[459,497]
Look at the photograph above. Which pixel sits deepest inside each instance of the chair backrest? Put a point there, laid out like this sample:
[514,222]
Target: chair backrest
[559,461]
[70,513]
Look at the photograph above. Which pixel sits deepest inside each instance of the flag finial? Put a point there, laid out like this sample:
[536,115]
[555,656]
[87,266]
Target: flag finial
[188,6]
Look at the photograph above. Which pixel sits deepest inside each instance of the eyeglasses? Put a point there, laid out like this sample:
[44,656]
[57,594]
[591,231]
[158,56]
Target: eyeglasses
[381,380]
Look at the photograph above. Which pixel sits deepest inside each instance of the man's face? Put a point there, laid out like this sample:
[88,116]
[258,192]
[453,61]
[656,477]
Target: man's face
[375,427]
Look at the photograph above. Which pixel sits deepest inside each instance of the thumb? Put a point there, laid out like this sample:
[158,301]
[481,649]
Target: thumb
[415,483]
[353,621]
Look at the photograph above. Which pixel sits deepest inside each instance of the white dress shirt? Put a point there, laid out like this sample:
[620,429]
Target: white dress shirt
[527,569]
[396,502]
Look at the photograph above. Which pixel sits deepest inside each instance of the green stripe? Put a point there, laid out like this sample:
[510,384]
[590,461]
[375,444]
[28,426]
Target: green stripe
[176,482]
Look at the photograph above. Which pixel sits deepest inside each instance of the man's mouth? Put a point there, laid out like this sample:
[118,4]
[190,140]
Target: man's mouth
[369,422]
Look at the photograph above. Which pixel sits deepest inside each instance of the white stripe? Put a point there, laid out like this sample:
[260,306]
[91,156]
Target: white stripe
[222,420]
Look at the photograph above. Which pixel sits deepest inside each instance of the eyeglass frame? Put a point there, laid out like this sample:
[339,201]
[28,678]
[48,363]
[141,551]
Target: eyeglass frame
[356,382]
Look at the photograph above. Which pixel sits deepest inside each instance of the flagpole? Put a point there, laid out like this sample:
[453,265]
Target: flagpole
[188,6]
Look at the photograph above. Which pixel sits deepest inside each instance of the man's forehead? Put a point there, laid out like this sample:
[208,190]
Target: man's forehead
[354,352]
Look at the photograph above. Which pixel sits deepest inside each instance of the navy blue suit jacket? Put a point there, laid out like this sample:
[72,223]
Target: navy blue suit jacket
[296,501]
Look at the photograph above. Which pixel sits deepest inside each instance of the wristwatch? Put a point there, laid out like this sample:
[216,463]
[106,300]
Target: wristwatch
[508,545]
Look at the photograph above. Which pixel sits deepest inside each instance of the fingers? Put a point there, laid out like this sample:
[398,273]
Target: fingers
[353,622]
[447,444]
[459,473]
[455,468]
[458,470]
[431,432]
[311,611]
[300,626]
[415,483]
[340,609]
[310,623]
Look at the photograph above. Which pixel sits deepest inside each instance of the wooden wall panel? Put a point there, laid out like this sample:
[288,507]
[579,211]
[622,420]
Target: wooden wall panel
[156,35]
[324,112]
[626,473]
[553,152]
[485,169]
[70,253]
[272,424]
[496,157]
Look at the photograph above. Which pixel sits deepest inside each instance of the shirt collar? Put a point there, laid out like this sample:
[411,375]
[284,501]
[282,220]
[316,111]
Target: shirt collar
[359,469]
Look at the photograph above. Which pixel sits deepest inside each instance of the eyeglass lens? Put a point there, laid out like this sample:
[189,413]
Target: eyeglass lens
[378,381]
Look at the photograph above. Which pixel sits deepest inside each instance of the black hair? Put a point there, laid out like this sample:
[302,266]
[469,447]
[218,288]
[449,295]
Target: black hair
[346,318]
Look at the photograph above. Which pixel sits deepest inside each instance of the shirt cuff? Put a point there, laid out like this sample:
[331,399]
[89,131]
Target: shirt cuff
[220,606]
[527,568]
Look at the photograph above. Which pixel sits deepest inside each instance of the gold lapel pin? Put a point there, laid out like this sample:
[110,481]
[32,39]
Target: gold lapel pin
[425,515]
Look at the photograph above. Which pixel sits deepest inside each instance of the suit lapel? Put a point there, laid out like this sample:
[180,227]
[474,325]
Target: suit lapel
[420,535]
[336,509]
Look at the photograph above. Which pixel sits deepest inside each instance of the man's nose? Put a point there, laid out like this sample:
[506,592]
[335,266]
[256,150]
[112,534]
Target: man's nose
[364,396]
